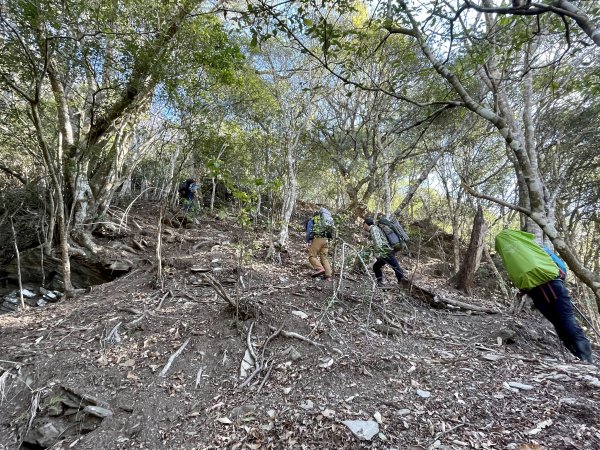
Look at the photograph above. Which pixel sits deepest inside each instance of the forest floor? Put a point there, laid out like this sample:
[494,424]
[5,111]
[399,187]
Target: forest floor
[325,353]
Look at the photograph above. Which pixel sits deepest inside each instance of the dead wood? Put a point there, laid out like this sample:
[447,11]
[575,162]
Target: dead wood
[294,335]
[172,358]
[438,301]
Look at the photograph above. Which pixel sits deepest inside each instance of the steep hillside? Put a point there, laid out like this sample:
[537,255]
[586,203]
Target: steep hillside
[134,365]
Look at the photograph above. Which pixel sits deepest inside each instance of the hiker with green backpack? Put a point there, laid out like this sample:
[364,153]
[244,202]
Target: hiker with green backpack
[535,273]
[383,252]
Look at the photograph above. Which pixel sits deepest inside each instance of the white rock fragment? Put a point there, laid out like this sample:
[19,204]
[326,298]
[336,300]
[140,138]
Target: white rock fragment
[307,404]
[492,356]
[362,429]
[521,386]
[300,314]
[423,394]
[540,426]
[27,293]
[98,411]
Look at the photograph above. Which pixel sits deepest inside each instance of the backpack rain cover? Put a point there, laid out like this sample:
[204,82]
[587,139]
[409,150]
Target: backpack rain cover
[526,263]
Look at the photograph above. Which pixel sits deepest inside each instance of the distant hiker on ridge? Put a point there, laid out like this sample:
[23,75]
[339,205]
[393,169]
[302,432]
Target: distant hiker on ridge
[383,251]
[536,273]
[319,229]
[187,192]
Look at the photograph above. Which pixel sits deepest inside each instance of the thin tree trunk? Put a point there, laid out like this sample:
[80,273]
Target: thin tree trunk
[18,255]
[412,190]
[466,273]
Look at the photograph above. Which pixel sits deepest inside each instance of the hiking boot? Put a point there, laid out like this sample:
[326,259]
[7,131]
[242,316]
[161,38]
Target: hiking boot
[317,273]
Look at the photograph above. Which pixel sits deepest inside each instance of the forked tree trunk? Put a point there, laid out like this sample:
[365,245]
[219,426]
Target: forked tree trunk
[470,264]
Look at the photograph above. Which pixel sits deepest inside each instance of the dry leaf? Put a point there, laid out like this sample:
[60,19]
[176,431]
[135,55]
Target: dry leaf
[128,363]
[378,417]
[224,420]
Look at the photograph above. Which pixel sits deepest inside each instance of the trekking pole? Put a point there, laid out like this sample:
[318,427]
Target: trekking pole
[587,320]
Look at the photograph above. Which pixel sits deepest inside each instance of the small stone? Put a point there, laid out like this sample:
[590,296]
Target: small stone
[45,436]
[41,302]
[521,386]
[492,356]
[27,293]
[291,353]
[98,411]
[403,412]
[307,404]
[51,295]
[300,314]
[423,394]
[362,429]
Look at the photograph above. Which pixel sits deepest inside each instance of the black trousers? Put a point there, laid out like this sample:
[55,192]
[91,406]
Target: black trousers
[554,302]
[393,262]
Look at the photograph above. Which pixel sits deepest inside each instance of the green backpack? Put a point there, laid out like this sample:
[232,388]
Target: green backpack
[527,264]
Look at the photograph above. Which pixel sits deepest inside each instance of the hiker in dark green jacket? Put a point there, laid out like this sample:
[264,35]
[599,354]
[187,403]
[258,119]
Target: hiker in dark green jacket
[534,272]
[382,251]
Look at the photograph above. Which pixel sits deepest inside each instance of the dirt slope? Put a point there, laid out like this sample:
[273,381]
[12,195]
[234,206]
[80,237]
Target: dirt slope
[439,379]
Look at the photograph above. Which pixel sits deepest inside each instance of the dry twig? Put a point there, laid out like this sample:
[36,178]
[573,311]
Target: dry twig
[163,372]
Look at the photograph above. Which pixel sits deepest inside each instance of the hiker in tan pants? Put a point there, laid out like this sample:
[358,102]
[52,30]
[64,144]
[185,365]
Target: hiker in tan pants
[319,247]
[317,234]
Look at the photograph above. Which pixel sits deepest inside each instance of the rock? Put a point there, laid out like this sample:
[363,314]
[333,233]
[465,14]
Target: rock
[492,356]
[291,353]
[307,404]
[362,429]
[300,314]
[423,394]
[51,296]
[45,435]
[98,411]
[41,302]
[28,294]
[13,300]
[521,386]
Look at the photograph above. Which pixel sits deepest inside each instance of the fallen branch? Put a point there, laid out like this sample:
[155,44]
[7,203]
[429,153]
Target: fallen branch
[135,322]
[163,299]
[264,347]
[172,358]
[249,342]
[265,378]
[113,337]
[218,287]
[468,306]
[292,334]
[199,377]
[252,375]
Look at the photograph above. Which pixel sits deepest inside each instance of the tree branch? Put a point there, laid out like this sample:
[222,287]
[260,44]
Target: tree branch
[12,173]
[477,194]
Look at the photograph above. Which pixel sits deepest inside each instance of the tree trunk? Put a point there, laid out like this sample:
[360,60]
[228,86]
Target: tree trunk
[412,190]
[289,199]
[470,264]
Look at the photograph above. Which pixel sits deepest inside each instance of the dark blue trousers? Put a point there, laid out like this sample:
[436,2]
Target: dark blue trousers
[393,262]
[554,302]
